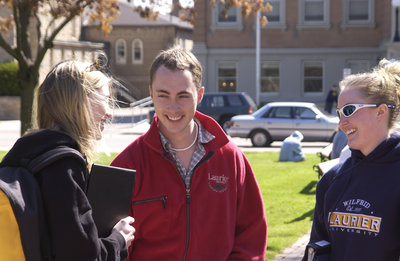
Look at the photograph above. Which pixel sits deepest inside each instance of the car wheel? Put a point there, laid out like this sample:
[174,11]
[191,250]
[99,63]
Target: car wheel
[260,139]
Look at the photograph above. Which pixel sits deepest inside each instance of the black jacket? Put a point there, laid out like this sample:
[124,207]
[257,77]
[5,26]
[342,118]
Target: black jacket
[68,212]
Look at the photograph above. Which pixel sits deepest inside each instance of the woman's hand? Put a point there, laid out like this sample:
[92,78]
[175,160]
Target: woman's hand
[126,229]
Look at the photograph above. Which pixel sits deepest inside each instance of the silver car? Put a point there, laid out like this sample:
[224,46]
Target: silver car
[277,120]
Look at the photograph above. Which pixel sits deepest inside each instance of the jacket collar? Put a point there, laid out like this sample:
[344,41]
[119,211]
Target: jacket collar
[152,136]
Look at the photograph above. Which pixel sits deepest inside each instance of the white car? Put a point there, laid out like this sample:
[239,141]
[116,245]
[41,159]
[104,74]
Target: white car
[277,120]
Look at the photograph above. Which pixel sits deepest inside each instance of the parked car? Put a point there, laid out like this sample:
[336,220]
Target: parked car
[222,106]
[277,120]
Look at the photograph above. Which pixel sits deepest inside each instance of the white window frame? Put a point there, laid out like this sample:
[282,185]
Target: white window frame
[346,22]
[303,24]
[321,77]
[118,59]
[281,24]
[274,64]
[140,43]
[216,24]
[227,64]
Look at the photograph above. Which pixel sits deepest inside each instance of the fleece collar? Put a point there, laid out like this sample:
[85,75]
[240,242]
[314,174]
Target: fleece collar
[387,151]
[152,136]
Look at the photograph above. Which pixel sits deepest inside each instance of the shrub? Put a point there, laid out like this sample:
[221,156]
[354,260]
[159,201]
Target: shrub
[8,79]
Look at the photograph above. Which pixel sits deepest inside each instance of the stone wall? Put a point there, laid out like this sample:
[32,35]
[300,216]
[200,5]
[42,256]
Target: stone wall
[10,107]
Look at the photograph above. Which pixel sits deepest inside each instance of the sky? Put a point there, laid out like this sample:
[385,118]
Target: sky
[162,6]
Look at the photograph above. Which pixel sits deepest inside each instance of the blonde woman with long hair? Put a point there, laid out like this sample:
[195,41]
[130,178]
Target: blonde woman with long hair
[71,108]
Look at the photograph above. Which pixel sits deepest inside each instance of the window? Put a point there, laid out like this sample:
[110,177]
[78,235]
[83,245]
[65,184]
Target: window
[277,17]
[274,15]
[231,20]
[313,13]
[313,73]
[212,101]
[137,51]
[269,77]
[120,51]
[358,13]
[358,10]
[229,16]
[357,66]
[304,113]
[281,113]
[227,77]
[234,100]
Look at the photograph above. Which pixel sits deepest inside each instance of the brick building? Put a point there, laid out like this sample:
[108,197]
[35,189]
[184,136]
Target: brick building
[134,42]
[307,46]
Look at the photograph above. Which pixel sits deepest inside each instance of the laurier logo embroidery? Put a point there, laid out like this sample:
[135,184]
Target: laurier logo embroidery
[352,220]
[218,183]
[356,221]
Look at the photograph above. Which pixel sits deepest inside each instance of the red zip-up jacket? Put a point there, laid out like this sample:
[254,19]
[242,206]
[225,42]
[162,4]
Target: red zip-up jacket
[221,217]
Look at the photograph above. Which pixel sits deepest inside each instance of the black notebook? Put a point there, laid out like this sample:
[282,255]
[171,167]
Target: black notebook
[109,193]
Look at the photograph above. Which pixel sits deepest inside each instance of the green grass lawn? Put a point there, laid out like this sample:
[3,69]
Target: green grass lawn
[288,190]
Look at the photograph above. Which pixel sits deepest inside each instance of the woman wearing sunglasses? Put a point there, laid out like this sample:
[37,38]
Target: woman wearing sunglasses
[358,201]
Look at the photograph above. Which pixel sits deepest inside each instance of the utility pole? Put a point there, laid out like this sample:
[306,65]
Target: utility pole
[396,4]
[258,58]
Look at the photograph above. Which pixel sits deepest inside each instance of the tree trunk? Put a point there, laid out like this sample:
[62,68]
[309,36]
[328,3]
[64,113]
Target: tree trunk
[28,79]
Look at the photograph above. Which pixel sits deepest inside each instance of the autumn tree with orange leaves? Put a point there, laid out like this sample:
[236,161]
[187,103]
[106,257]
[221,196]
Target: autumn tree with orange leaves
[24,19]
[247,7]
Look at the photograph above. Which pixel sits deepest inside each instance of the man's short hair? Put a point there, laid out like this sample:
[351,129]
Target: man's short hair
[177,58]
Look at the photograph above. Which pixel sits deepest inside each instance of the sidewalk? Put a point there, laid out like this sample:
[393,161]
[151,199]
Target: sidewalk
[9,133]
[295,252]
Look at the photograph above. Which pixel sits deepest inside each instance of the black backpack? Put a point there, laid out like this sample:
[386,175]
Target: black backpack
[19,184]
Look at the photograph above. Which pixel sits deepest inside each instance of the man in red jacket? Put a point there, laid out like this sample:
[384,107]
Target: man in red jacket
[195,195]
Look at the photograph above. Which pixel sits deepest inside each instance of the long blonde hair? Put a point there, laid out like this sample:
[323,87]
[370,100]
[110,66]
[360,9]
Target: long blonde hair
[61,102]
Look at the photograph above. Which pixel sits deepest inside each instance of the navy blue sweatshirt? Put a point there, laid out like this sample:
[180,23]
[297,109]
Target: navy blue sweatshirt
[358,206]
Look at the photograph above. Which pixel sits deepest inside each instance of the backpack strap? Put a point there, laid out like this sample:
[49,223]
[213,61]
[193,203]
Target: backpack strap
[53,155]
[37,164]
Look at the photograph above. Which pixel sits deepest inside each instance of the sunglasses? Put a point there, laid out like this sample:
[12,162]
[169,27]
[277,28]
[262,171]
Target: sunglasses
[350,109]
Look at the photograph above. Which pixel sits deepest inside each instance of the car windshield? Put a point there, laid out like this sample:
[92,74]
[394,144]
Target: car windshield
[262,110]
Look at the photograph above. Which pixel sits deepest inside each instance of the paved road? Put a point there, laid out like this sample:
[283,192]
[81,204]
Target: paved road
[117,136]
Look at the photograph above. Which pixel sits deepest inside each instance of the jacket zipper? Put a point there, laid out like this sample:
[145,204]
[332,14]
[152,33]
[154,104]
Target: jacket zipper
[208,156]
[163,199]
[187,222]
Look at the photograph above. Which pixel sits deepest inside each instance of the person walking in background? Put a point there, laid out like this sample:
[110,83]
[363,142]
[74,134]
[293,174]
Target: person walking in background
[338,144]
[331,98]
[195,196]
[291,149]
[357,205]
[71,107]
